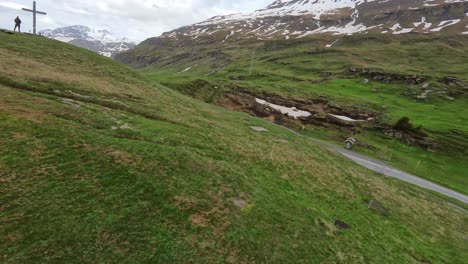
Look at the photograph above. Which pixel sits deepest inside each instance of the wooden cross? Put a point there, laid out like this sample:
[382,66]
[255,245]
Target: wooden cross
[34,11]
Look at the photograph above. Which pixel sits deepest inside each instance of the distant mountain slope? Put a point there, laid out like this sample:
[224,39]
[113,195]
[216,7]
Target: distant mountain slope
[100,41]
[299,18]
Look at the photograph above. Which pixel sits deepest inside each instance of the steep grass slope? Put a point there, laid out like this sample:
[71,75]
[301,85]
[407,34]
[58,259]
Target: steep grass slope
[98,164]
[422,77]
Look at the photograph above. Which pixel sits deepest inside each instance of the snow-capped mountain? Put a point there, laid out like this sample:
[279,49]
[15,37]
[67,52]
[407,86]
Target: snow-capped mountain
[300,18]
[100,41]
[294,21]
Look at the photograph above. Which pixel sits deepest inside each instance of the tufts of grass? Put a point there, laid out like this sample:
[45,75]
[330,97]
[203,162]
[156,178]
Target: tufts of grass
[82,181]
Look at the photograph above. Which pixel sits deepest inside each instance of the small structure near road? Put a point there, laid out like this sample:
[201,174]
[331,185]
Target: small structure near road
[349,143]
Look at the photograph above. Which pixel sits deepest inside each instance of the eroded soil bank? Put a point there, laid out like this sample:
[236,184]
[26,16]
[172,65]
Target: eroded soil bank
[297,113]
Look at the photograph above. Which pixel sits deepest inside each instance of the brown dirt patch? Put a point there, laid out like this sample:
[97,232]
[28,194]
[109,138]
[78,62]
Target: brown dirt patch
[47,170]
[233,256]
[200,219]
[38,151]
[216,218]
[123,157]
[183,203]
[21,111]
[19,135]
[4,178]
[11,237]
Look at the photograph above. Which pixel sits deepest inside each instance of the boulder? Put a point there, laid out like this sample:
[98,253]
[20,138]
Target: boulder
[240,203]
[341,225]
[376,206]
[259,129]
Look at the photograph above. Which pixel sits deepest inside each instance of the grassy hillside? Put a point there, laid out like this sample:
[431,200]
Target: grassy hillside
[422,77]
[100,165]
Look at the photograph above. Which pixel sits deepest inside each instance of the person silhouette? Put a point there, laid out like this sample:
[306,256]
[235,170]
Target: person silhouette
[17,24]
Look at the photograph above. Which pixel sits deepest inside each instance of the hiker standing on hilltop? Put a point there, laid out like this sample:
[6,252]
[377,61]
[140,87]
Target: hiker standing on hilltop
[17,24]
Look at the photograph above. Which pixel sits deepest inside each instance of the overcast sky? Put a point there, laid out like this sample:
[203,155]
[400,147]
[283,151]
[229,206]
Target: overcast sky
[134,19]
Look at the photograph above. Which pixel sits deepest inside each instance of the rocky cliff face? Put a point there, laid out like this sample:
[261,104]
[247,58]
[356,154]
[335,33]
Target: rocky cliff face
[99,41]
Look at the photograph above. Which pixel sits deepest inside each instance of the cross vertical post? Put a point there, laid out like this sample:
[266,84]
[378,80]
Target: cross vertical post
[34,17]
[35,12]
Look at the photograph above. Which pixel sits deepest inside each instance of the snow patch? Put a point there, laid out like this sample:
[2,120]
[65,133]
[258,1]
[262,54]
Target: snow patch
[290,111]
[426,25]
[397,29]
[316,8]
[345,118]
[331,44]
[444,24]
[185,70]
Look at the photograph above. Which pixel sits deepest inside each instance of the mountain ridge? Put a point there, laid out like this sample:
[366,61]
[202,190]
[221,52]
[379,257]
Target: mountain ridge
[300,18]
[99,41]
[297,19]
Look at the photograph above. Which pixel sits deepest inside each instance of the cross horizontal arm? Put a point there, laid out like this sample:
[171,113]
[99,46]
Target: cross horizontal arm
[37,12]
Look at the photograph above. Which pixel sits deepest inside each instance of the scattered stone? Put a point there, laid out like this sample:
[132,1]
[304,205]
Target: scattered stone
[114,102]
[259,129]
[124,126]
[71,102]
[283,141]
[449,98]
[376,206]
[376,75]
[117,121]
[78,95]
[425,260]
[375,90]
[365,81]
[425,85]
[424,94]
[240,203]
[341,225]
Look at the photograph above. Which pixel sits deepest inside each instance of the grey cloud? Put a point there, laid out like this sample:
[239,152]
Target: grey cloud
[137,19]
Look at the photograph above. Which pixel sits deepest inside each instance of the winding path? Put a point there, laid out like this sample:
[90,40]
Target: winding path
[387,170]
